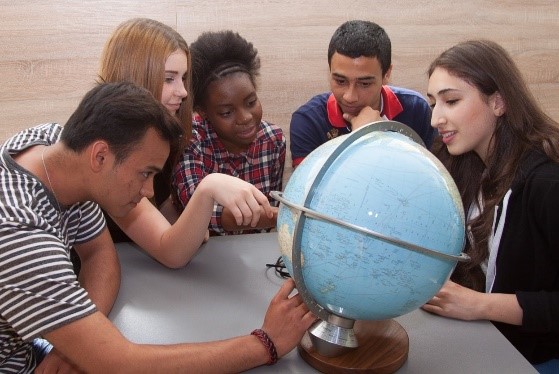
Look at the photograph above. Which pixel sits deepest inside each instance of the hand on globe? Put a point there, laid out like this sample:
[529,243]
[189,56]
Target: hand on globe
[287,319]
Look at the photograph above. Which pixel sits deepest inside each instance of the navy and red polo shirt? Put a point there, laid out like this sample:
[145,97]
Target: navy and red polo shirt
[320,119]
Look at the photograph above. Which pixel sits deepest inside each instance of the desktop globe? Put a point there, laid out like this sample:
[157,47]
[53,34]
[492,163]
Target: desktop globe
[370,226]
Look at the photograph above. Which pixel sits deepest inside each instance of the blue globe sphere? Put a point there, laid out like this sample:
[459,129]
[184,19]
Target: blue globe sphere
[377,221]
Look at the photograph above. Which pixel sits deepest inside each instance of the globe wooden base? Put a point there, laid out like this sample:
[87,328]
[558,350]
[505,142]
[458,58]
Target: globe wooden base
[383,348]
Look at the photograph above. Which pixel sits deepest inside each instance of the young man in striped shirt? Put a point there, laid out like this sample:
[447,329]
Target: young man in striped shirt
[53,183]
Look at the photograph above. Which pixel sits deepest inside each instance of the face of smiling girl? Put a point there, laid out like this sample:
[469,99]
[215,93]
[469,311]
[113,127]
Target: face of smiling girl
[174,90]
[232,107]
[464,116]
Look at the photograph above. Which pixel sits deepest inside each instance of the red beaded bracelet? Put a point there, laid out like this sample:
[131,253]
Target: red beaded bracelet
[268,344]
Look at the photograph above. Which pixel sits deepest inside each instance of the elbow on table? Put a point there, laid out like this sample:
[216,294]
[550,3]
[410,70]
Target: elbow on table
[174,263]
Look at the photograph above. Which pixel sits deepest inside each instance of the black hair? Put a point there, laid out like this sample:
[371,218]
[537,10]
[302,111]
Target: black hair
[120,114]
[362,38]
[217,54]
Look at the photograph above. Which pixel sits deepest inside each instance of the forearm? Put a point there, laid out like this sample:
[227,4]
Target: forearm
[100,271]
[100,276]
[541,310]
[227,356]
[365,117]
[175,245]
[172,245]
[95,345]
[181,241]
[500,307]
[456,301]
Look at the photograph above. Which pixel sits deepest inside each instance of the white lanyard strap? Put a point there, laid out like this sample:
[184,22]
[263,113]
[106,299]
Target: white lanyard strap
[494,242]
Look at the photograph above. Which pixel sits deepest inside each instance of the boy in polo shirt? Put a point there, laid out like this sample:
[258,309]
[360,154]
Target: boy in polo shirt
[359,56]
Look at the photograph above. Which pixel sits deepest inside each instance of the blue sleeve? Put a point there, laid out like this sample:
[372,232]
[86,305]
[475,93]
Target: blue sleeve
[303,141]
[428,133]
[417,115]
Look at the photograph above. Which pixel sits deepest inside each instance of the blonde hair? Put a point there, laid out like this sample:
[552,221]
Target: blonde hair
[136,52]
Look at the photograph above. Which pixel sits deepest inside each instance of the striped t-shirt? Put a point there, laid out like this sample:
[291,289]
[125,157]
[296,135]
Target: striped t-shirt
[39,290]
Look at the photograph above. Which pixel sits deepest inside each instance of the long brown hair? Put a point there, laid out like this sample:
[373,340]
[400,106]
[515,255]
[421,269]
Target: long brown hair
[523,127]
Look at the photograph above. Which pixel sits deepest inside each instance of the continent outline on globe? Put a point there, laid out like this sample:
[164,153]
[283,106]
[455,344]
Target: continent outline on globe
[312,177]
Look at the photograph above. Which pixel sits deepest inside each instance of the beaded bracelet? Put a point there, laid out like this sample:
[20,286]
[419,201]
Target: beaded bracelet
[268,344]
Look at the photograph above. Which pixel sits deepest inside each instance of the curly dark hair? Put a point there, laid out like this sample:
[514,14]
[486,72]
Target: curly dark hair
[216,54]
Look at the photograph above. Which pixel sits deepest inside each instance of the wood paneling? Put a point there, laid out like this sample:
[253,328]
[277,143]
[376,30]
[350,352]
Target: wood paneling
[49,50]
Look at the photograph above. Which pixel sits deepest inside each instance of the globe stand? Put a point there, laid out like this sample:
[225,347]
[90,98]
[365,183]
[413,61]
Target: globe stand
[333,337]
[383,348]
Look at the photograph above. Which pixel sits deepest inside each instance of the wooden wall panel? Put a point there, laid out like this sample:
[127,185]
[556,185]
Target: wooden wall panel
[49,53]
[49,50]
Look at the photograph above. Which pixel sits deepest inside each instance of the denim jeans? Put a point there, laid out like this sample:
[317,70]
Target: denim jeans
[548,367]
[41,347]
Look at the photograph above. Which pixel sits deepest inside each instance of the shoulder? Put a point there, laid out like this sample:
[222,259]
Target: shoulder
[316,102]
[271,129]
[200,131]
[538,177]
[271,132]
[539,166]
[47,133]
[311,116]
[199,125]
[22,195]
[22,198]
[545,176]
[86,220]
[409,97]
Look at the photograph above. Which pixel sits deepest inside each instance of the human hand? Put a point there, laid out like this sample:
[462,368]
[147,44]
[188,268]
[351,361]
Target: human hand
[55,362]
[456,301]
[241,198]
[287,319]
[365,116]
[264,222]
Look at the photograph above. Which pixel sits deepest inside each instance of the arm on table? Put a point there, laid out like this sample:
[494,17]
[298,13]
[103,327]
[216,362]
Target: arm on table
[94,344]
[456,301]
[174,245]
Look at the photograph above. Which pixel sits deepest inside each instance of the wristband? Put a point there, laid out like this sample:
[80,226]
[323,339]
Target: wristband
[268,344]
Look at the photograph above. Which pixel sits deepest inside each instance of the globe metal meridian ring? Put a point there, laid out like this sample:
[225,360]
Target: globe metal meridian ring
[335,333]
[392,126]
[463,257]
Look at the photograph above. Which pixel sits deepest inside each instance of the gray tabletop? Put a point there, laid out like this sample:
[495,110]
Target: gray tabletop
[226,289]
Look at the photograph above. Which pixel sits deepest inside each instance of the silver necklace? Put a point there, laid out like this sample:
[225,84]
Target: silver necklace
[62,234]
[50,183]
